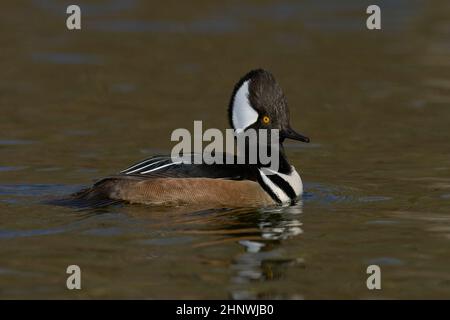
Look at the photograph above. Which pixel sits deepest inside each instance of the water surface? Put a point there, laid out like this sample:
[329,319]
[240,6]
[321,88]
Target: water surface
[77,106]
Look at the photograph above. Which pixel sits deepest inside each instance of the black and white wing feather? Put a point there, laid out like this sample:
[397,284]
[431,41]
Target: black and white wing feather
[150,165]
[165,166]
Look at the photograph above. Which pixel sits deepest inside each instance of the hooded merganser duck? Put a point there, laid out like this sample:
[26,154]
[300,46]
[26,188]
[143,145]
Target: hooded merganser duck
[257,102]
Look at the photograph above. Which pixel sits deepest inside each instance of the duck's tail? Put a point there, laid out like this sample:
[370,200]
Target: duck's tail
[97,196]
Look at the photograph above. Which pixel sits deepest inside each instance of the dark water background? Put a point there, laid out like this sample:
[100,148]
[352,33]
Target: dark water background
[76,106]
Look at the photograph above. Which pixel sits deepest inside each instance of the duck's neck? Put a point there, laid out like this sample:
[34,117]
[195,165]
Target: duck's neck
[283,185]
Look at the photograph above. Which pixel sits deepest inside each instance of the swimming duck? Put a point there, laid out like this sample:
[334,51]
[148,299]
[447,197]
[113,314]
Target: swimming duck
[257,102]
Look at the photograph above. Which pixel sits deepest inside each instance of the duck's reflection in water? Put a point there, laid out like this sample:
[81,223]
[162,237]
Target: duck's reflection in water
[265,259]
[261,234]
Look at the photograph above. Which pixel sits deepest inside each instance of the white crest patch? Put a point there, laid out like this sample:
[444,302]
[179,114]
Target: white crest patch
[242,113]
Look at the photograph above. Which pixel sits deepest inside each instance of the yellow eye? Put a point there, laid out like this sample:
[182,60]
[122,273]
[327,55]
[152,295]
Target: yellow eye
[266,119]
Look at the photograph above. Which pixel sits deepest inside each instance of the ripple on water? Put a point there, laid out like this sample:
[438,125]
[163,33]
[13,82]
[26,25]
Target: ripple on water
[14,142]
[8,234]
[49,169]
[104,231]
[386,261]
[324,194]
[374,198]
[168,241]
[36,190]
[66,58]
[207,25]
[12,168]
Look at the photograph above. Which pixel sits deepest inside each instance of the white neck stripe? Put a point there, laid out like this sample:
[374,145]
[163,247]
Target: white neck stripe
[279,193]
[293,179]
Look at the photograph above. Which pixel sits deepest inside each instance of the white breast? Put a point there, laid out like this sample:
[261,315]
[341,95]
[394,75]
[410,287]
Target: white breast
[293,179]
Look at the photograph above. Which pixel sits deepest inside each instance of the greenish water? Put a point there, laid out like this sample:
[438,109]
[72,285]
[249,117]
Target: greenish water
[77,106]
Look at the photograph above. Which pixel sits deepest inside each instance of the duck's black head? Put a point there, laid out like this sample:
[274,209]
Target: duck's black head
[258,102]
